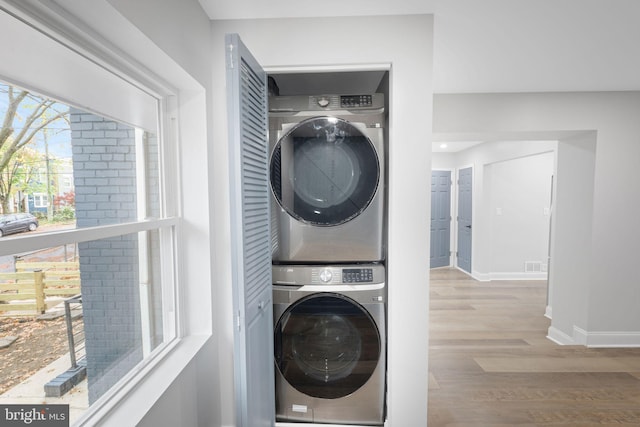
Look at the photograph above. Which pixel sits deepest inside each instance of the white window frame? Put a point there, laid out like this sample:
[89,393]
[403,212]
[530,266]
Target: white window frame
[135,394]
[38,198]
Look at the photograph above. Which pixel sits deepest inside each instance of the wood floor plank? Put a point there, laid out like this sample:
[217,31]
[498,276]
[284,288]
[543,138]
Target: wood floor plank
[491,364]
[547,364]
[470,342]
[433,383]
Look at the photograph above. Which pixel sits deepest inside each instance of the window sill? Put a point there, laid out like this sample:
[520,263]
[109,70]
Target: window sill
[134,400]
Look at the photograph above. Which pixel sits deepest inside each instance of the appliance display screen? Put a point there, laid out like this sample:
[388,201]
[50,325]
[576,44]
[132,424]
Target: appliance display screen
[356,101]
[357,275]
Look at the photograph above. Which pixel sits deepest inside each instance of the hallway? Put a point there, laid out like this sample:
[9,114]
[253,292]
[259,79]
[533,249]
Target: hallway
[491,364]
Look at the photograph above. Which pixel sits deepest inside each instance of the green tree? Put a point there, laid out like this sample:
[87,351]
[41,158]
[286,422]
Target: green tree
[23,115]
[22,175]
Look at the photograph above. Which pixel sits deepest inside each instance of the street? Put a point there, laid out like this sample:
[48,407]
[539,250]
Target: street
[59,253]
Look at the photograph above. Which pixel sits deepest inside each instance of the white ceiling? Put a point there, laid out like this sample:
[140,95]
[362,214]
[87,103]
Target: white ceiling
[250,9]
[453,146]
[499,45]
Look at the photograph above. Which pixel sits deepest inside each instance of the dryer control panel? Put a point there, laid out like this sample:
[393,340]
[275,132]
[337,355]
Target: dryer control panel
[350,101]
[291,105]
[328,274]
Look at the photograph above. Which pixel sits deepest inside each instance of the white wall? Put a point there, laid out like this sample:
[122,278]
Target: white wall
[179,28]
[519,208]
[572,233]
[514,177]
[371,41]
[443,161]
[594,283]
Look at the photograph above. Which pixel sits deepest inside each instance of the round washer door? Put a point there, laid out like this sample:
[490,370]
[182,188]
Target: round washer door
[324,171]
[326,345]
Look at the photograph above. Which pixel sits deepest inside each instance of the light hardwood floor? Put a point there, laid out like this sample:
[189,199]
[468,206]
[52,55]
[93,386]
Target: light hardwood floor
[491,364]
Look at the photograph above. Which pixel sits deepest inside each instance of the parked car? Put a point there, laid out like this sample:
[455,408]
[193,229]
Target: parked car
[15,223]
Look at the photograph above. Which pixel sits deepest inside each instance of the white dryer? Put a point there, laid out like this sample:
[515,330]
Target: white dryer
[329,344]
[327,170]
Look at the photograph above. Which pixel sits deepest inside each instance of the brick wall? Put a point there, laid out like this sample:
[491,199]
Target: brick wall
[105,185]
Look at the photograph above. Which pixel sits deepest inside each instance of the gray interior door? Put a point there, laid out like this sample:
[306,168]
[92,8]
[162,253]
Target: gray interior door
[440,218]
[465,193]
[250,237]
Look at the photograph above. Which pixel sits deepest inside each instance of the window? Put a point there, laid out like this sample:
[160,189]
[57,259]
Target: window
[40,200]
[110,230]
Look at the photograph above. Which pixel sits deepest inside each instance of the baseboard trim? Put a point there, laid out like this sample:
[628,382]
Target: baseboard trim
[559,337]
[487,277]
[548,312]
[580,336]
[481,277]
[613,339]
[518,276]
[595,339]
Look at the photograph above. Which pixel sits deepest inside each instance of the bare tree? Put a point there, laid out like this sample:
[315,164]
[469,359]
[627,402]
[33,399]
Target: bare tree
[30,114]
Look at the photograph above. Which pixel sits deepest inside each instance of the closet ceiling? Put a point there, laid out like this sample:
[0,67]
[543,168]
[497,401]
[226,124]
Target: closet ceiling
[498,45]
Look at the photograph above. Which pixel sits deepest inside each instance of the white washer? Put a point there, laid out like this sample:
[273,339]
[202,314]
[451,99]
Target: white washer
[327,172]
[329,344]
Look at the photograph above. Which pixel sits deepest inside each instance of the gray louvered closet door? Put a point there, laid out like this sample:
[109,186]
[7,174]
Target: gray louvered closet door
[250,236]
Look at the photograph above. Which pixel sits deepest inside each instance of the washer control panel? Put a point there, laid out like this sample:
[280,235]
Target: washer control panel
[351,274]
[336,275]
[357,275]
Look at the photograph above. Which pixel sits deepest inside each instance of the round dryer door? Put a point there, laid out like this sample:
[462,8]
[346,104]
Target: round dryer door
[326,345]
[324,171]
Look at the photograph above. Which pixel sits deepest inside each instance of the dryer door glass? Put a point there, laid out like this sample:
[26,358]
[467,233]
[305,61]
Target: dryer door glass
[324,171]
[326,345]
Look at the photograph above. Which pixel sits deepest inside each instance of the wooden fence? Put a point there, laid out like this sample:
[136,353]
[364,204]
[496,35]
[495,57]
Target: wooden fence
[33,282]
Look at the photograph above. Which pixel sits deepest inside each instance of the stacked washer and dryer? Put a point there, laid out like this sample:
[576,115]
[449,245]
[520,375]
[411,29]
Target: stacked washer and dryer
[327,171]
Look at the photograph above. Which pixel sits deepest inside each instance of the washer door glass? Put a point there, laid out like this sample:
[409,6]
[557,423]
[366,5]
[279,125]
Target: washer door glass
[324,171]
[326,345]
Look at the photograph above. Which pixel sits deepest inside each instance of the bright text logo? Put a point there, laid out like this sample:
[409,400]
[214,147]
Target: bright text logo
[34,415]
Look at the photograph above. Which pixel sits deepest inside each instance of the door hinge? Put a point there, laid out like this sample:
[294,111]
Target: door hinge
[238,322]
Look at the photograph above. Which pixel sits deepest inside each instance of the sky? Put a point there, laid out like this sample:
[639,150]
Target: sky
[58,133]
